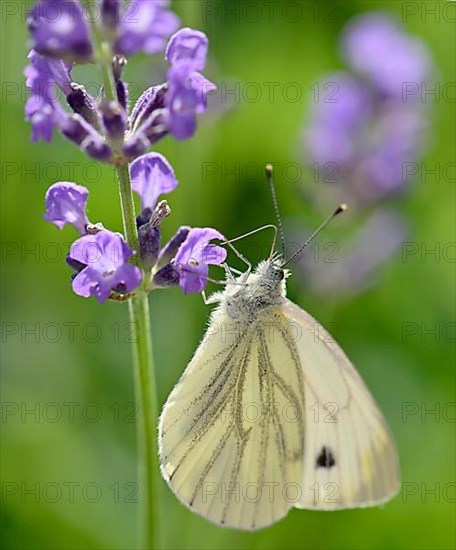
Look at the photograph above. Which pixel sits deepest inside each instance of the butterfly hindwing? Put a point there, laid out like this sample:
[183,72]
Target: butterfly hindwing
[350,458]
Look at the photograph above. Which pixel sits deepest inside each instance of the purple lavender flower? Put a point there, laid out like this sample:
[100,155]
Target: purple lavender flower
[194,257]
[188,89]
[376,47]
[59,30]
[144,26]
[105,257]
[66,202]
[152,176]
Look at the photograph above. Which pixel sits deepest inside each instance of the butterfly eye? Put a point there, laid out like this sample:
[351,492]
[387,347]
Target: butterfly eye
[279,273]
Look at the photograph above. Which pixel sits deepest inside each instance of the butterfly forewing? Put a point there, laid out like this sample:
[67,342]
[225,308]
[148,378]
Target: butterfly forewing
[232,432]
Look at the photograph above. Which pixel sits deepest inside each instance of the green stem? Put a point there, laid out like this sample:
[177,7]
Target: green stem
[145,387]
[128,209]
[144,373]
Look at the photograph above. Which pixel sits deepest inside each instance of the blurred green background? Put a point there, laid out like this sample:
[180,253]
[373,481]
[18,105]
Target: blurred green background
[67,389]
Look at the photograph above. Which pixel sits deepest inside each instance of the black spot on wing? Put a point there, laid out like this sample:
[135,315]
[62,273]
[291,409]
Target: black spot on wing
[325,459]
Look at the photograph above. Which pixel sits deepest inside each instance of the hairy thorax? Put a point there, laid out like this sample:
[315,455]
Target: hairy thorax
[265,287]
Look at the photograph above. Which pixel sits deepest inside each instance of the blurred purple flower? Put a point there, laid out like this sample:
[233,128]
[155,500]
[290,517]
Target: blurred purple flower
[364,135]
[66,202]
[58,29]
[151,177]
[334,132]
[378,49]
[62,29]
[398,140]
[194,257]
[144,26]
[360,140]
[104,257]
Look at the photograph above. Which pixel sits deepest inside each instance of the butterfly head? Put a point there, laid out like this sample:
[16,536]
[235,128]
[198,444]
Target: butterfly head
[274,271]
[271,274]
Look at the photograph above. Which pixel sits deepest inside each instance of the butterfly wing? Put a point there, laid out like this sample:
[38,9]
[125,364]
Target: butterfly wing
[228,448]
[350,459]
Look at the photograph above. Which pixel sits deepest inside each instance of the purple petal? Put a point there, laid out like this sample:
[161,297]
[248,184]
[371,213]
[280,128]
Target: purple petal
[59,30]
[41,114]
[202,87]
[152,176]
[188,45]
[195,255]
[172,246]
[42,108]
[84,283]
[66,203]
[43,72]
[186,96]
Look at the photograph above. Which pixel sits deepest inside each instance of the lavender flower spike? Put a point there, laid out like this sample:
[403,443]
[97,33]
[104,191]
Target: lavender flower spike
[194,256]
[66,203]
[152,176]
[105,256]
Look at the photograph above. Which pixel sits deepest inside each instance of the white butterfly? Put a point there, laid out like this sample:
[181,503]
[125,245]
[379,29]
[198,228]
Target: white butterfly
[270,414]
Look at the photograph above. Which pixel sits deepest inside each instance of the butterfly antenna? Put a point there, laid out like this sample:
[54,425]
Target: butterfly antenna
[270,178]
[341,208]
